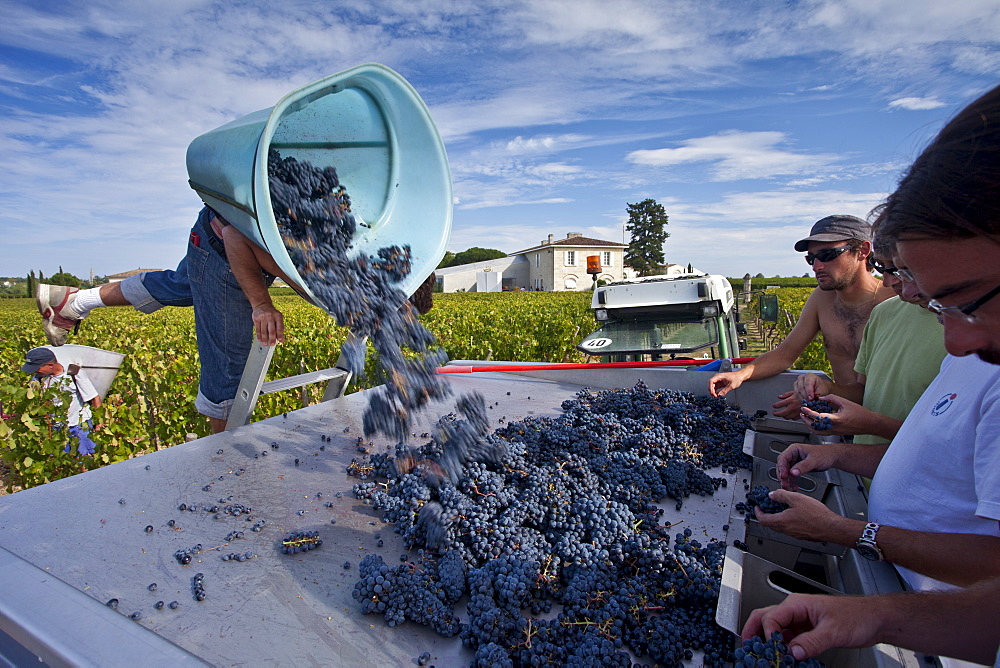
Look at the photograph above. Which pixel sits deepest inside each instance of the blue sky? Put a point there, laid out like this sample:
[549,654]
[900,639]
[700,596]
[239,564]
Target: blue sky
[748,120]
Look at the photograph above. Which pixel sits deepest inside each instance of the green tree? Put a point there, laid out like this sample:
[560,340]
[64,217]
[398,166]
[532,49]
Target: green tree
[64,278]
[31,283]
[759,275]
[446,260]
[647,222]
[475,254]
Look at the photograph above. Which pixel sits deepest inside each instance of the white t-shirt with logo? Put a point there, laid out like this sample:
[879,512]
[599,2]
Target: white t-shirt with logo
[942,471]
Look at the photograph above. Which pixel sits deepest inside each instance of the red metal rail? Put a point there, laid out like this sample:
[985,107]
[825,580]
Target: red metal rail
[596,365]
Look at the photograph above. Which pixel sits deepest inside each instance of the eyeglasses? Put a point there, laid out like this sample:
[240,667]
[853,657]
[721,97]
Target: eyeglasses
[826,255]
[883,269]
[963,313]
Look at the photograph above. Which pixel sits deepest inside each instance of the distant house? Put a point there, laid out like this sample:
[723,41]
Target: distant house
[115,278]
[552,265]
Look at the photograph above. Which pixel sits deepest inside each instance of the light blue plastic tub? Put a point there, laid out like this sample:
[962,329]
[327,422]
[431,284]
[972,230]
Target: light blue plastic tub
[372,127]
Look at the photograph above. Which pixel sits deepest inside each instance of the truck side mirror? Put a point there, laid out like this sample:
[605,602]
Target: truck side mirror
[769,308]
[741,328]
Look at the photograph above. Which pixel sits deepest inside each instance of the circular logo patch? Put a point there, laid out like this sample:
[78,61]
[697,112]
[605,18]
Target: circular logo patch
[943,404]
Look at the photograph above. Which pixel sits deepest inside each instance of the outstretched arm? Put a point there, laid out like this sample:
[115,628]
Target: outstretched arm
[956,558]
[960,623]
[852,418]
[246,260]
[774,361]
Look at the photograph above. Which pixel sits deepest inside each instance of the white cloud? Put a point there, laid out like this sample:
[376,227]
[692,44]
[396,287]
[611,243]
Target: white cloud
[737,155]
[977,60]
[916,103]
[772,206]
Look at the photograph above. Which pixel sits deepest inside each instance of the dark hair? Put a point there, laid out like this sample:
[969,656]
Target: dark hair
[952,191]
[883,247]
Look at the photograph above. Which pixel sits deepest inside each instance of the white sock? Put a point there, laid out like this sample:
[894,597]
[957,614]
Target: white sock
[85,301]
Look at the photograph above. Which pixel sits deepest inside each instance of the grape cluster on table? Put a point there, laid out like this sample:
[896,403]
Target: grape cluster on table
[759,497]
[549,526]
[821,406]
[772,653]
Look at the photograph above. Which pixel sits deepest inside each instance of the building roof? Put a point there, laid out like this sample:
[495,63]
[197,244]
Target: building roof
[573,239]
[483,264]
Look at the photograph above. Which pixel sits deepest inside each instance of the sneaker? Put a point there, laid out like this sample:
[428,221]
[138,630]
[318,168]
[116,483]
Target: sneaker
[57,318]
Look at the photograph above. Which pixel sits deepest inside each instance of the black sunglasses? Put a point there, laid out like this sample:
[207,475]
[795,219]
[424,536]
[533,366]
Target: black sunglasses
[826,255]
[883,269]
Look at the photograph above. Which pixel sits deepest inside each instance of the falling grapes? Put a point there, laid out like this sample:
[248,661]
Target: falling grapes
[313,213]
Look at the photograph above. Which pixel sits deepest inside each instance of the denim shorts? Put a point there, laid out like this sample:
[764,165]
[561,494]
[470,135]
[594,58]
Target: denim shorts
[222,314]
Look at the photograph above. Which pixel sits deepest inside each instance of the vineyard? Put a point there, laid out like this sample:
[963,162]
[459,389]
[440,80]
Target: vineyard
[790,303]
[151,404]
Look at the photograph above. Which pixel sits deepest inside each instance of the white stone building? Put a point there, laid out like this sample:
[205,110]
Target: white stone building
[552,265]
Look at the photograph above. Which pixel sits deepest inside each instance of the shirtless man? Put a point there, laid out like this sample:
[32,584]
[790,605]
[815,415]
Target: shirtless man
[837,248]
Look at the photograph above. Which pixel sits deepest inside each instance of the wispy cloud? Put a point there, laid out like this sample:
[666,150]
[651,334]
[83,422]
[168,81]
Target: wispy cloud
[737,155]
[916,103]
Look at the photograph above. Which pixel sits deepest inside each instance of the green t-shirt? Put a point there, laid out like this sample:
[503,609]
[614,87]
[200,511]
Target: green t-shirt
[901,352]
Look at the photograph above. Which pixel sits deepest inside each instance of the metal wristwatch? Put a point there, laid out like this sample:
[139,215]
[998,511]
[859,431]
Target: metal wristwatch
[866,545]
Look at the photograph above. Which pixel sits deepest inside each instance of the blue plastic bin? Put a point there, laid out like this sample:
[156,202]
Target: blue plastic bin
[372,127]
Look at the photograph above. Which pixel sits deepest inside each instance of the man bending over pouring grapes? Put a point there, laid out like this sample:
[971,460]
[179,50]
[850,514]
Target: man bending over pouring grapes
[224,276]
[837,248]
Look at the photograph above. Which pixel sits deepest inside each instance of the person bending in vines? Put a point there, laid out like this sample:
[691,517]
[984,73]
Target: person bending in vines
[72,381]
[837,248]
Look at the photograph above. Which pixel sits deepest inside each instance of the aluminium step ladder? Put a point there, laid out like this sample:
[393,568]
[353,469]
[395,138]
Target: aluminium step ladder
[252,383]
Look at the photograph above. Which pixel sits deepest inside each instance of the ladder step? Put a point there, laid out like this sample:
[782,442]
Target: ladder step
[300,380]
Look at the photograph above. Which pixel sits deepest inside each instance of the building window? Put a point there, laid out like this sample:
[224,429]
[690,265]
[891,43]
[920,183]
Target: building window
[607,258]
[538,260]
[570,258]
[570,282]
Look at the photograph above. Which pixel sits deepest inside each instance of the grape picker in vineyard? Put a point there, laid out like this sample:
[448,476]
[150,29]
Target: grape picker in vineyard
[837,248]
[224,276]
[73,382]
[934,507]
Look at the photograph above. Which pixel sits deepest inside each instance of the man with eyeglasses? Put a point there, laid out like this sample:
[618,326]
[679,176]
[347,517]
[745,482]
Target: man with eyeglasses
[900,354]
[837,249]
[938,482]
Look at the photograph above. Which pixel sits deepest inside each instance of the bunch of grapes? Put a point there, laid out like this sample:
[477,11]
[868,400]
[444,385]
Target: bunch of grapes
[559,511]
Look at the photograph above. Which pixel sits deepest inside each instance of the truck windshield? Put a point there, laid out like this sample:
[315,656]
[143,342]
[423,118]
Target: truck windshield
[651,337]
